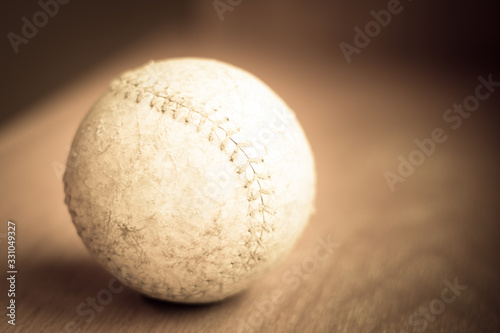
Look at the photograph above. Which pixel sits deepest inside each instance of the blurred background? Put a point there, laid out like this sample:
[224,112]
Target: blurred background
[360,113]
[457,38]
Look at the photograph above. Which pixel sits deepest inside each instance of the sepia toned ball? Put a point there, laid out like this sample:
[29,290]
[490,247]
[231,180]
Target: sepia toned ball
[189,179]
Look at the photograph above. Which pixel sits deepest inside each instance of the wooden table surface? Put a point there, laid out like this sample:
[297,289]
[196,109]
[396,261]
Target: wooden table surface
[394,253]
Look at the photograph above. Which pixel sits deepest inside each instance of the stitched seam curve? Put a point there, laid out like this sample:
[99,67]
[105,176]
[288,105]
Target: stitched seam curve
[182,110]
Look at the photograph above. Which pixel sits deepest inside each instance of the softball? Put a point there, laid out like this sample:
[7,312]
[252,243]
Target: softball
[189,179]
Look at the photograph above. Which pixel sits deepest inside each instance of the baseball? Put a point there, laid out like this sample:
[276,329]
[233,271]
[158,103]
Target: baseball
[189,179]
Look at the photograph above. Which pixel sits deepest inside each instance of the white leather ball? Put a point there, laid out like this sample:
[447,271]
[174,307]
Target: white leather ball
[189,179]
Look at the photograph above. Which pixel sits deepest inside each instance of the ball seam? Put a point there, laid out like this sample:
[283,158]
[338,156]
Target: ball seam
[183,111]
